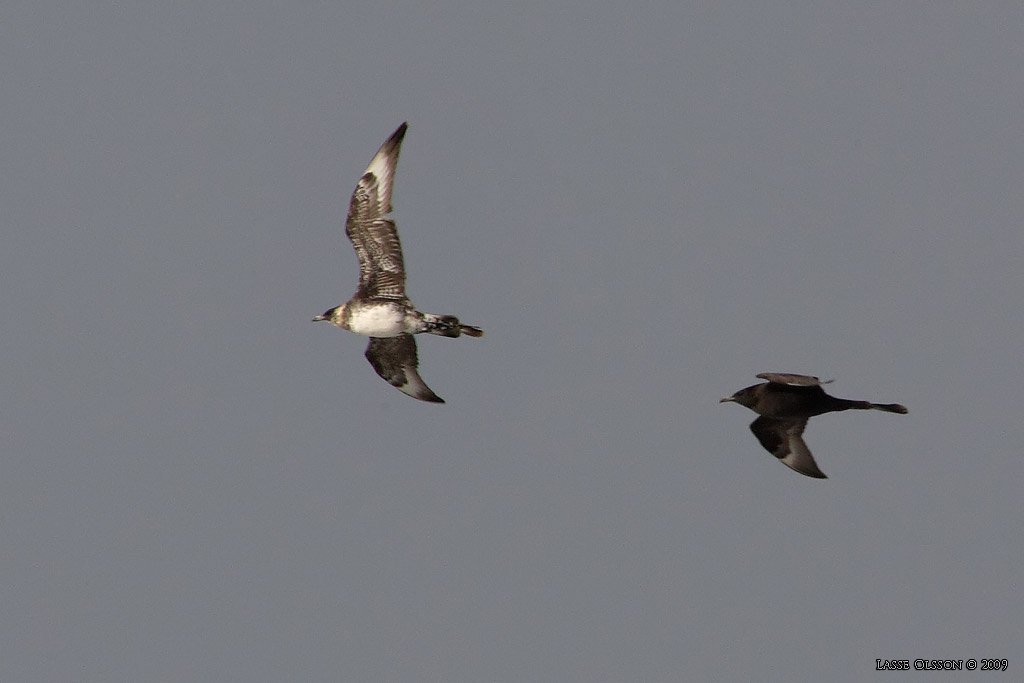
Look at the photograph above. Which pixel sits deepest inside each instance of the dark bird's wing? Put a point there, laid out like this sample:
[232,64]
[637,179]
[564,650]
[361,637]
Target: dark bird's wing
[394,359]
[372,231]
[791,379]
[784,440]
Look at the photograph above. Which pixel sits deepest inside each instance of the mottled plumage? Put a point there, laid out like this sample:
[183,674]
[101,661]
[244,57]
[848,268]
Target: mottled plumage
[785,403]
[380,308]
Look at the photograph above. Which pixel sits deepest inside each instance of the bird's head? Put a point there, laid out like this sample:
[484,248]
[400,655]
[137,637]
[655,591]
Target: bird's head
[332,316]
[745,397]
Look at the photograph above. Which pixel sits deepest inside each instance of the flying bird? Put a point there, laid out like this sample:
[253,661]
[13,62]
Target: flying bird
[380,308]
[785,403]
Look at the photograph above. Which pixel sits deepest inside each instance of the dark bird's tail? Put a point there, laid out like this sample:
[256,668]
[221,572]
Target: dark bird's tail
[868,405]
[890,408]
[449,326]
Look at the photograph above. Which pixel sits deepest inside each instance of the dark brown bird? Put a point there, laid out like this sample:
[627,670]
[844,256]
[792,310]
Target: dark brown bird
[785,403]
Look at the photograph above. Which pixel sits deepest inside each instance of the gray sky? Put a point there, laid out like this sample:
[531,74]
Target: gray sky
[644,205]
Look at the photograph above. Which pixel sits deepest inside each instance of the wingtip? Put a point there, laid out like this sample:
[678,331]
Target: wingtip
[420,393]
[399,133]
[428,397]
[387,155]
[810,470]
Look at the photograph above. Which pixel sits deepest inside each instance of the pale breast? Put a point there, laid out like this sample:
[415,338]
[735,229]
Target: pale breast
[377,320]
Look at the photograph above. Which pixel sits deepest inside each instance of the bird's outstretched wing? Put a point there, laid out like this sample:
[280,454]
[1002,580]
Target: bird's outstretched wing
[394,359]
[784,440]
[372,232]
[792,380]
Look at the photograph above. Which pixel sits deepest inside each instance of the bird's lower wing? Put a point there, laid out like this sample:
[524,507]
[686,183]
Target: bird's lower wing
[784,440]
[394,359]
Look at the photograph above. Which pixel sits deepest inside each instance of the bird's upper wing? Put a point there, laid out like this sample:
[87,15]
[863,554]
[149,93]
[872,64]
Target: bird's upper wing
[372,232]
[791,379]
[394,359]
[784,440]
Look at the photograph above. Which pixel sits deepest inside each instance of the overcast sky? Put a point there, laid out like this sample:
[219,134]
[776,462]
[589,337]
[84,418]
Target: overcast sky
[643,205]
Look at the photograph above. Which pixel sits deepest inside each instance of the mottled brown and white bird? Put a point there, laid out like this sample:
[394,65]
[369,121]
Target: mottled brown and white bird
[785,403]
[380,308]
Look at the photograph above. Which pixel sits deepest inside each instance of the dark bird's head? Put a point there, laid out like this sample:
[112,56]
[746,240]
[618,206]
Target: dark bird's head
[745,397]
[332,316]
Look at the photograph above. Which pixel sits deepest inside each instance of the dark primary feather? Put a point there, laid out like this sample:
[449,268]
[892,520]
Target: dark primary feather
[784,440]
[395,360]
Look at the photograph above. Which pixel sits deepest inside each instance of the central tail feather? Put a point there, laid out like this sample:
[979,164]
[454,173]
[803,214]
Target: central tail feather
[449,326]
[847,404]
[890,408]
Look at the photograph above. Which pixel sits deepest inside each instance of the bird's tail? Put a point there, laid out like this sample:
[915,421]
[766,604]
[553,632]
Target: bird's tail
[449,326]
[867,405]
[890,408]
